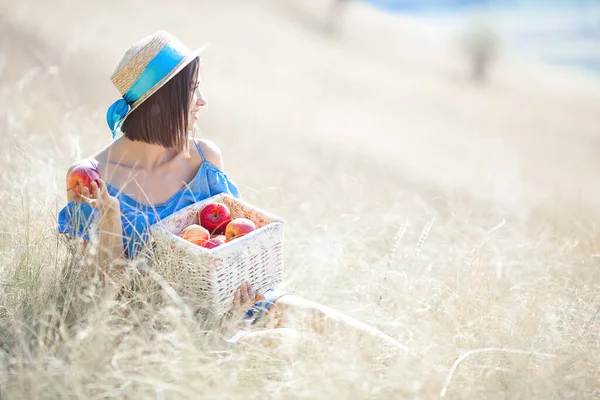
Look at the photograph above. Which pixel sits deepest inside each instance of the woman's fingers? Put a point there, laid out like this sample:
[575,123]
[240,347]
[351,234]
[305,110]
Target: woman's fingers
[95,191]
[87,198]
[245,295]
[85,195]
[99,197]
[236,299]
[259,296]
[249,290]
[72,195]
[103,191]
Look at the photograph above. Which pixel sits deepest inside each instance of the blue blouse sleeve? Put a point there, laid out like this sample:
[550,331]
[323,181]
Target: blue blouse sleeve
[219,182]
[76,219]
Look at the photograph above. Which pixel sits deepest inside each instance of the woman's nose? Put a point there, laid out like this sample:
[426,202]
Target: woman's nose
[200,101]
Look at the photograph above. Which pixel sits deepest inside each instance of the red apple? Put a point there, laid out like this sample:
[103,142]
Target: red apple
[238,227]
[195,234]
[214,242]
[82,175]
[214,217]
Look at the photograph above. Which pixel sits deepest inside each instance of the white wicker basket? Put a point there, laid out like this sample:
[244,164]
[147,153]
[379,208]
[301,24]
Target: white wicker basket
[213,275]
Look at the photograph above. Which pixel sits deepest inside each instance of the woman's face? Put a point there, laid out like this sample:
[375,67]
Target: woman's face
[197,102]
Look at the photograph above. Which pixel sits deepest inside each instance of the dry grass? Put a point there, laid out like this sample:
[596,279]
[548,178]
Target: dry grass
[494,286]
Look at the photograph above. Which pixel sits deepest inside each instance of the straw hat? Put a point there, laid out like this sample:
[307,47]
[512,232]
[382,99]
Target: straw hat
[146,66]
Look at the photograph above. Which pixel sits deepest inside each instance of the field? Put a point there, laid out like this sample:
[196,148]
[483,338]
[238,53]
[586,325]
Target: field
[460,219]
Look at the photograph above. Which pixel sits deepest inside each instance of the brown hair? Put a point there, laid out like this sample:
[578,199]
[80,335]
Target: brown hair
[163,118]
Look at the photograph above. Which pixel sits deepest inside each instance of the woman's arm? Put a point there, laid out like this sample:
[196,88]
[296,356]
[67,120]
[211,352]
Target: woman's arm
[212,153]
[110,226]
[110,244]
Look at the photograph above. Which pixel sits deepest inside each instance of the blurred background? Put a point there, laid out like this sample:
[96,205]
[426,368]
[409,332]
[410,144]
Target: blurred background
[436,163]
[499,99]
[563,33]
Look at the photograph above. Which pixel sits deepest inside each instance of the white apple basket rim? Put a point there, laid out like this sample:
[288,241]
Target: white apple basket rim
[239,240]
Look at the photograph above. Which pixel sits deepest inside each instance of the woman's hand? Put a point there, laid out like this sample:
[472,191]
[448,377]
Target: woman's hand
[99,198]
[110,227]
[245,297]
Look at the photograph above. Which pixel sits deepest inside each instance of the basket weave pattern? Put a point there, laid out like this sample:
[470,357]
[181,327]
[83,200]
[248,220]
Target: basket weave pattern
[215,274]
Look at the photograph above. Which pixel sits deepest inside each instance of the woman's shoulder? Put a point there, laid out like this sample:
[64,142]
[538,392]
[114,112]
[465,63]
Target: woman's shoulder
[212,152]
[94,159]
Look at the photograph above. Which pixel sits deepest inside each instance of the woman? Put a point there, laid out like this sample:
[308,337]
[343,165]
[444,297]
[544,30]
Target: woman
[154,168]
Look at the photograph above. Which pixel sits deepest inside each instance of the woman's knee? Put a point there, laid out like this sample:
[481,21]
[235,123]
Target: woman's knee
[294,311]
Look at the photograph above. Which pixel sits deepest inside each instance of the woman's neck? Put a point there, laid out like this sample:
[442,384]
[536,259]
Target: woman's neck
[140,155]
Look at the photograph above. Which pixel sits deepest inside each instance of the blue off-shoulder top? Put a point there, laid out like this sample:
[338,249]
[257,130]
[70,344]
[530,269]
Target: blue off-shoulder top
[76,218]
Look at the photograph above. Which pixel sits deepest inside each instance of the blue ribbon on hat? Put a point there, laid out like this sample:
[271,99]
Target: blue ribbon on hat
[158,68]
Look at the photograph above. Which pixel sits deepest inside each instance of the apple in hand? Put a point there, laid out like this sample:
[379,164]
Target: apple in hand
[215,241]
[238,227]
[214,217]
[195,234]
[82,175]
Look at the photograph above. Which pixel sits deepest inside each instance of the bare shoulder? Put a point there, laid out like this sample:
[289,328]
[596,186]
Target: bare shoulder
[211,151]
[97,159]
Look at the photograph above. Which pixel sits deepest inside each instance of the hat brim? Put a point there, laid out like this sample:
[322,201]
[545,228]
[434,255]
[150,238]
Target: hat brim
[184,63]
